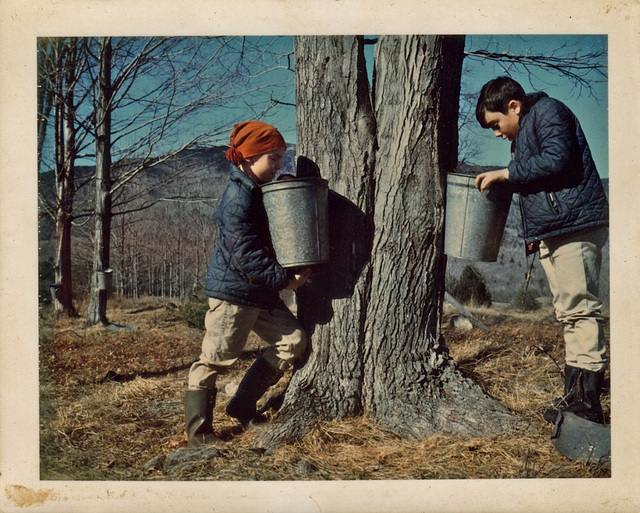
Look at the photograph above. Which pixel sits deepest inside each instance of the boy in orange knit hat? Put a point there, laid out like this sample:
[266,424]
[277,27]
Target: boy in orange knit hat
[243,284]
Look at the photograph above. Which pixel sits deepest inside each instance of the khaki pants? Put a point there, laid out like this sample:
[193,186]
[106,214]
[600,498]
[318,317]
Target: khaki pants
[228,326]
[572,265]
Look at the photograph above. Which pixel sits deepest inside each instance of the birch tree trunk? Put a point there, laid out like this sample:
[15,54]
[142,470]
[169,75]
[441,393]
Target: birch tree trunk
[374,316]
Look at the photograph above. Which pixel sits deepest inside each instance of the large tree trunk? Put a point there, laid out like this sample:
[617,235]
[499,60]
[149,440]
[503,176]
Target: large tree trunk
[333,107]
[97,312]
[411,385]
[374,315]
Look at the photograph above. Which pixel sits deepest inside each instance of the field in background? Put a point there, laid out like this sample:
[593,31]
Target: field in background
[112,407]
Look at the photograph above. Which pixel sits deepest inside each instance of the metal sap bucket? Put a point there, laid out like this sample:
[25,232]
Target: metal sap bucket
[54,290]
[297,210]
[474,220]
[105,279]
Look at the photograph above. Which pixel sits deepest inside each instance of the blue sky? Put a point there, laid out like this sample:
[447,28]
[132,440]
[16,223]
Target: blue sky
[590,106]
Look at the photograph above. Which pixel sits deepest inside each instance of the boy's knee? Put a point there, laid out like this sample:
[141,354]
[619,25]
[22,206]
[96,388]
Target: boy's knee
[584,313]
[289,350]
[220,360]
[300,346]
[295,345]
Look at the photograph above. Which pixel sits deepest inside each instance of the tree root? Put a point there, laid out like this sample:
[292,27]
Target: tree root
[458,407]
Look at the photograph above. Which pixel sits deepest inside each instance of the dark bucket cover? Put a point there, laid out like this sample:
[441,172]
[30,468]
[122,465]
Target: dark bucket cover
[580,439]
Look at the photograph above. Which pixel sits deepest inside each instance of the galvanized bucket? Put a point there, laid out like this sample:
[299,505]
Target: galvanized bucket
[105,279]
[298,220]
[474,220]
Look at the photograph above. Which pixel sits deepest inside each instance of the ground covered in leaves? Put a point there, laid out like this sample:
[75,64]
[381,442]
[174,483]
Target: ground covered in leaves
[111,407]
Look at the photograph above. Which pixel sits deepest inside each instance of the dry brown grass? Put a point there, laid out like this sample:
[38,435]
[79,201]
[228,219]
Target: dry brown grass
[93,428]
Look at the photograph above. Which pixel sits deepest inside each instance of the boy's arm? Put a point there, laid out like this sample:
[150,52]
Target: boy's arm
[553,133]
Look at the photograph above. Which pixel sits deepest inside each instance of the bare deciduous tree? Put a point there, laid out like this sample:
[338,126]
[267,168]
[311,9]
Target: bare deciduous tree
[375,317]
[160,100]
[60,67]
[97,311]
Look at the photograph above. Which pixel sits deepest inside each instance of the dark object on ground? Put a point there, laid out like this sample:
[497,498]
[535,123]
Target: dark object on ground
[580,439]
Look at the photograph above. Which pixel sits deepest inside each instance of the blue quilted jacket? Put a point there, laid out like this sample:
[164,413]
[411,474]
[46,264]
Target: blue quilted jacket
[554,173]
[243,268]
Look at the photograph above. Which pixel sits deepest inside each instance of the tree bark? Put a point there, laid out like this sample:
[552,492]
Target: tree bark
[65,157]
[97,311]
[411,384]
[334,106]
[374,315]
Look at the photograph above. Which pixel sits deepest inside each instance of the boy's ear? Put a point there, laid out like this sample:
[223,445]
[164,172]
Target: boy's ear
[515,106]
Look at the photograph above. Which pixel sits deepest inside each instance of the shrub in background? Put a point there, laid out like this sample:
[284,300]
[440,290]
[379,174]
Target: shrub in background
[469,288]
[193,311]
[450,283]
[525,300]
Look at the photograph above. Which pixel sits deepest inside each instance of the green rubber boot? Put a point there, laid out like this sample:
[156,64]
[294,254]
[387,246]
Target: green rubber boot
[198,408]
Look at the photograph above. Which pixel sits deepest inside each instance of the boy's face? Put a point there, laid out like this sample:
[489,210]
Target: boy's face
[263,168]
[504,125]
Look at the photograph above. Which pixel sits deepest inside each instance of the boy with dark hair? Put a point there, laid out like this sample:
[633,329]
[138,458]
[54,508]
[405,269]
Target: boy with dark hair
[243,284]
[565,217]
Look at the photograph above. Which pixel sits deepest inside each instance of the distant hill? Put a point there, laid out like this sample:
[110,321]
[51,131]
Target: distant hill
[203,175]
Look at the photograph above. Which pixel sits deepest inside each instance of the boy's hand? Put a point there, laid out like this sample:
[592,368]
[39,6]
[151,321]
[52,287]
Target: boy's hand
[299,280]
[484,180]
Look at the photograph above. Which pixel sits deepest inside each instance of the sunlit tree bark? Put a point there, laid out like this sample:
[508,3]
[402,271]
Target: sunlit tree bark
[97,311]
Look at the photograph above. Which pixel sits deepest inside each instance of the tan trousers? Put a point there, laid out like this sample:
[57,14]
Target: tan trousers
[228,325]
[572,265]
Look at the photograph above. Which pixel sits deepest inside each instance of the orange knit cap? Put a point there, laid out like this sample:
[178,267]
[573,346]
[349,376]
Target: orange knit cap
[253,138]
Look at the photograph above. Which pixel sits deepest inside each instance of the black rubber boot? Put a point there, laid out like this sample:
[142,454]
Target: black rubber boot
[198,408]
[581,395]
[570,387]
[260,376]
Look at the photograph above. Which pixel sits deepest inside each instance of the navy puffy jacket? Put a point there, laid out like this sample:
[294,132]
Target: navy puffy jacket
[554,173]
[243,268]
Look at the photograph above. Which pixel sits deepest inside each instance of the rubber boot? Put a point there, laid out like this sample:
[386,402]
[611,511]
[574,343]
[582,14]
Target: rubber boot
[582,395]
[586,403]
[260,376]
[571,375]
[198,408]
[570,381]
